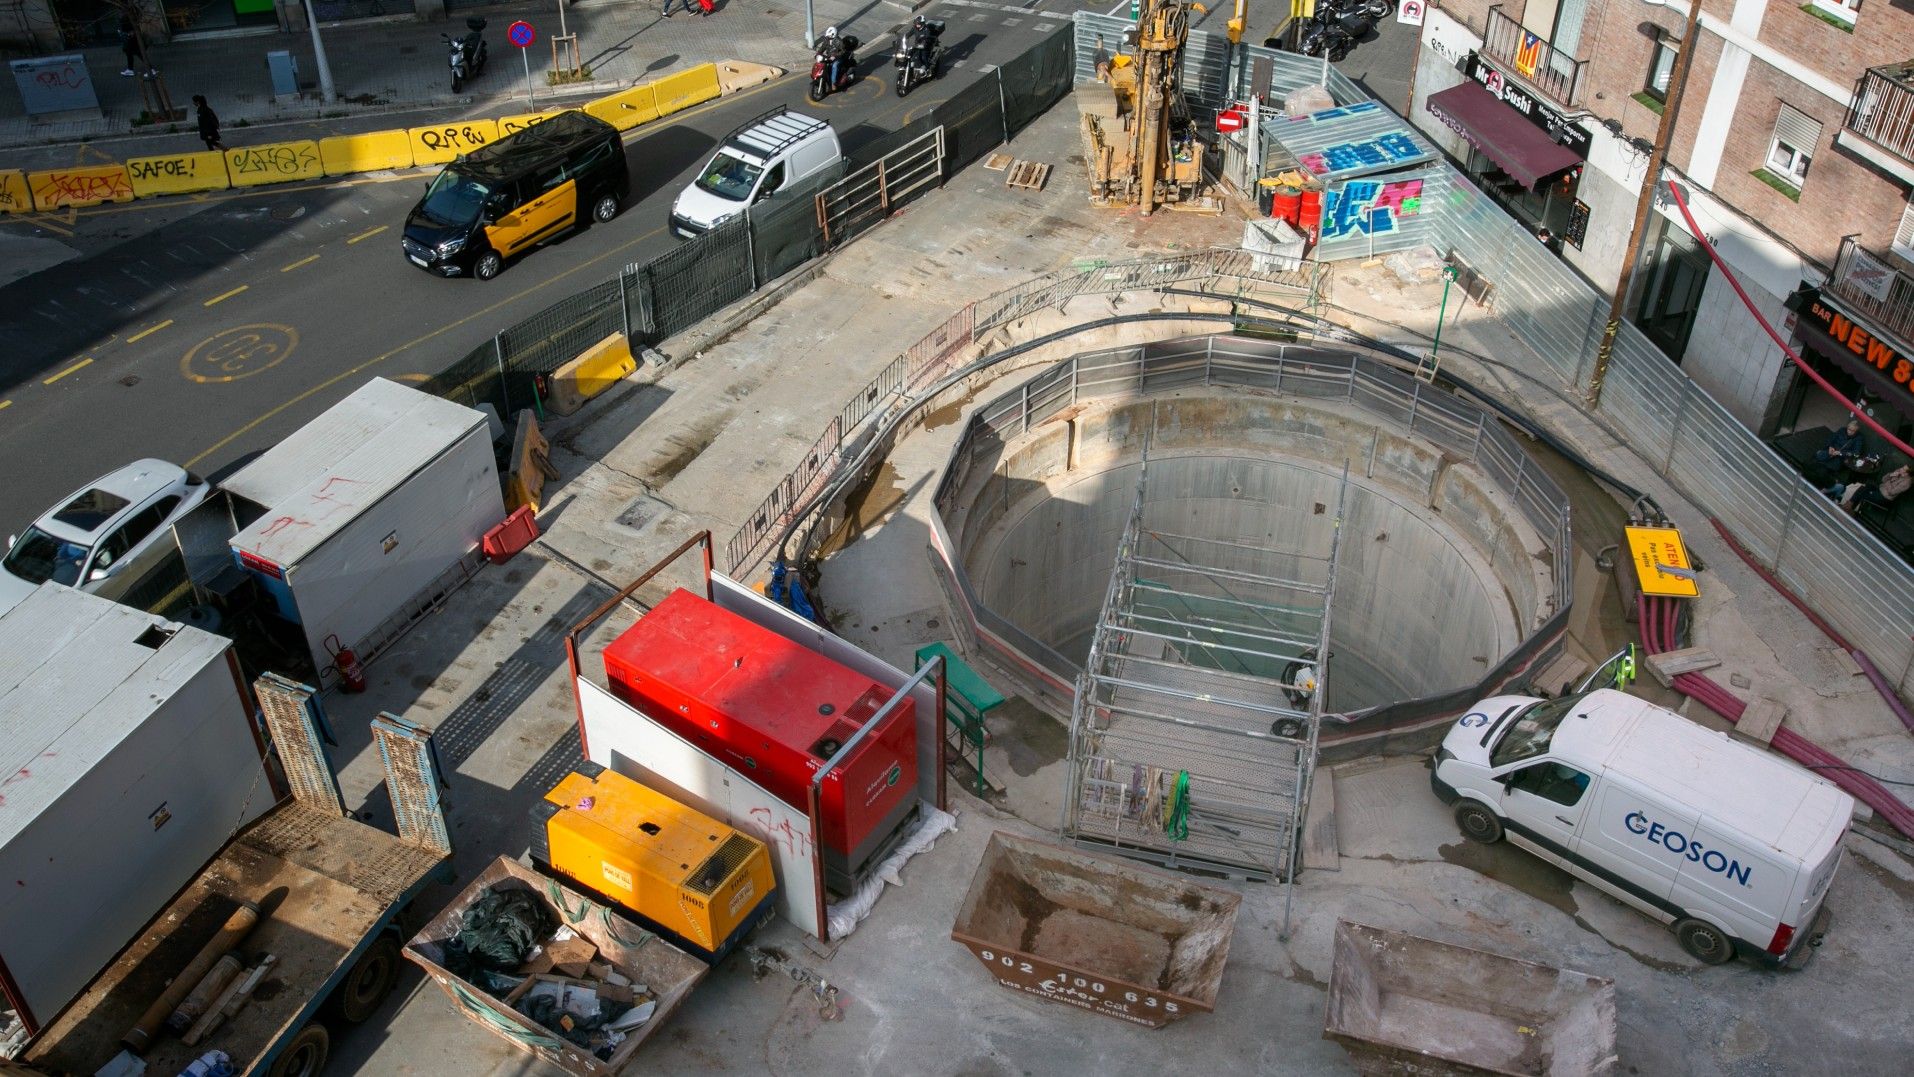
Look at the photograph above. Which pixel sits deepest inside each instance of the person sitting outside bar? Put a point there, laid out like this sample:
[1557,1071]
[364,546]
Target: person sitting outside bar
[1882,493]
[1845,445]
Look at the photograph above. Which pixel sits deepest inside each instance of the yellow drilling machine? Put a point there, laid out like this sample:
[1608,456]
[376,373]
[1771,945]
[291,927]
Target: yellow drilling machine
[1139,141]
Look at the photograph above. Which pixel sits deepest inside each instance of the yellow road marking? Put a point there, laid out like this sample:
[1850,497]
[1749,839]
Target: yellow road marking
[5,404]
[367,234]
[412,377]
[307,260]
[413,343]
[43,221]
[88,361]
[225,296]
[144,333]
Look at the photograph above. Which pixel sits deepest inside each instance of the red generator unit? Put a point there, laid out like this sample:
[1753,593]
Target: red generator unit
[777,712]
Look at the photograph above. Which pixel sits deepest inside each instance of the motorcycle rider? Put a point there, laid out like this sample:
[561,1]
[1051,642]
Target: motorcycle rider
[919,39]
[837,51]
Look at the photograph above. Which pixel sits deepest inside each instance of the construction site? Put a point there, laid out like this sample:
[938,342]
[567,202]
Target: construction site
[1154,664]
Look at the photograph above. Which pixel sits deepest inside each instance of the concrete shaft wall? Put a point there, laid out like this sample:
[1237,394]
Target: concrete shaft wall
[1426,597]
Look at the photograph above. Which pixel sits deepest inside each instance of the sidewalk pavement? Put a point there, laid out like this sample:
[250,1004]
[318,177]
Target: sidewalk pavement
[383,67]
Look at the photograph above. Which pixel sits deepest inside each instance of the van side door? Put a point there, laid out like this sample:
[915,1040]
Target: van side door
[1723,875]
[1544,801]
[548,203]
[1625,836]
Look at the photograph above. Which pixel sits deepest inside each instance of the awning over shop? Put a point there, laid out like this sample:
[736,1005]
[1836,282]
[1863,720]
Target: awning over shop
[1521,148]
[1854,345]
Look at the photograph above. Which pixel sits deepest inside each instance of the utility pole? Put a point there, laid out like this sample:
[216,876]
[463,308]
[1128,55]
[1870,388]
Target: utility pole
[1657,157]
[326,91]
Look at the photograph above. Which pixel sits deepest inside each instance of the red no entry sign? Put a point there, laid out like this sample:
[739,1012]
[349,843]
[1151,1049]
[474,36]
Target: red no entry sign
[522,34]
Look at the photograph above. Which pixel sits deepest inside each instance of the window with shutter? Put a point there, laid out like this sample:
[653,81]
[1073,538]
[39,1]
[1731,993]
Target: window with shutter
[1904,235]
[1795,136]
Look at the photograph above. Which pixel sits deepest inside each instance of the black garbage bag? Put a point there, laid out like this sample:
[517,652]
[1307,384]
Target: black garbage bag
[499,931]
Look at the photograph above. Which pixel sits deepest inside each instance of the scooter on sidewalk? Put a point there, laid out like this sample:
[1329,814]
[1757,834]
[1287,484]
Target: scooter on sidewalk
[468,54]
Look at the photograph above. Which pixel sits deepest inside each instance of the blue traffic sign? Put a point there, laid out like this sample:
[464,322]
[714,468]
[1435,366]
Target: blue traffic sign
[521,33]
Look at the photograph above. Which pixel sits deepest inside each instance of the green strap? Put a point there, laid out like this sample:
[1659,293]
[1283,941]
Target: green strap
[1176,818]
[483,1011]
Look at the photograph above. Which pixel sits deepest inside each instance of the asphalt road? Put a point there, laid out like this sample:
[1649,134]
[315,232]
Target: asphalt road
[221,323]
[204,329]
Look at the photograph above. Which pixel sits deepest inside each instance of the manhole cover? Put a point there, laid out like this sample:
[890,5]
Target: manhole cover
[643,512]
[130,380]
[288,212]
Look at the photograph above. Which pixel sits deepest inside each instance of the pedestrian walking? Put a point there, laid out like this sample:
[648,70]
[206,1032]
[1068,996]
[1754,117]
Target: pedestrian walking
[208,123]
[130,45]
[685,5]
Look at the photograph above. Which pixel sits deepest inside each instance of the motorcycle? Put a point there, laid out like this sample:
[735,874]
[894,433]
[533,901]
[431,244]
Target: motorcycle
[918,55]
[468,54]
[822,85]
[1371,11]
[1325,36]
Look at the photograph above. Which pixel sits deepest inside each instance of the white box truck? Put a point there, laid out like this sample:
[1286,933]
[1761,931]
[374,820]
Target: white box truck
[128,757]
[363,509]
[1731,846]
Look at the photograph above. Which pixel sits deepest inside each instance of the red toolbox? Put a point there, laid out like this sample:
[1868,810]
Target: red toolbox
[776,711]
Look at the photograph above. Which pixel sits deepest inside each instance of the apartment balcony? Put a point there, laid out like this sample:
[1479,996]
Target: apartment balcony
[1552,73]
[1880,122]
[1873,286]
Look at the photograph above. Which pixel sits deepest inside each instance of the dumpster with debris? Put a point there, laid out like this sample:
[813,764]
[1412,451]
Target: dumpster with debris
[557,974]
[1403,1004]
[1105,935]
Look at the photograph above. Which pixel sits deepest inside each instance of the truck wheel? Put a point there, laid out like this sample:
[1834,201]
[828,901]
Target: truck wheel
[305,1055]
[358,996]
[488,265]
[1478,823]
[1704,942]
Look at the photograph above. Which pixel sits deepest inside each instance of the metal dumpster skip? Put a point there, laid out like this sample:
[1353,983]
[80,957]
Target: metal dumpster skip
[1403,1004]
[1109,936]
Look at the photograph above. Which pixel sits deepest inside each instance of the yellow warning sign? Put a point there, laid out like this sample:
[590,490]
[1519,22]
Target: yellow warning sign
[1661,562]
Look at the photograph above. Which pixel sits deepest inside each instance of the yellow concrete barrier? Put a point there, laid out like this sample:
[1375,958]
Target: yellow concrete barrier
[628,108]
[600,367]
[371,152]
[274,162]
[178,173]
[15,195]
[511,125]
[61,187]
[686,88]
[440,143]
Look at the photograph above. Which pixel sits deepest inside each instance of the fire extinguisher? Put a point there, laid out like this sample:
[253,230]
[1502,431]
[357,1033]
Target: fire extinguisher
[347,664]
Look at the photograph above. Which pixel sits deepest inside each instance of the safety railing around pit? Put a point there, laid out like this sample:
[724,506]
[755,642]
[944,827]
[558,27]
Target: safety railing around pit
[906,379]
[649,303]
[1418,409]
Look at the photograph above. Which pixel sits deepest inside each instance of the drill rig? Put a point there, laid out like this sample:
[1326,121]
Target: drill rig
[1139,141]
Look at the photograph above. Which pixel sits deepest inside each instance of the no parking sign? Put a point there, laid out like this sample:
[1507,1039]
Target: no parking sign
[522,34]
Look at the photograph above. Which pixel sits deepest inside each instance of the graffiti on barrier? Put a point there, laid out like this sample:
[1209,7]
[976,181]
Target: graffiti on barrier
[185,166]
[285,159]
[1366,206]
[80,187]
[458,137]
[1388,149]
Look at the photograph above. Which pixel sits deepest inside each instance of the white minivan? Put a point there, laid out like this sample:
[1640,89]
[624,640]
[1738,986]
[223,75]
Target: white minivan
[753,163]
[1733,847]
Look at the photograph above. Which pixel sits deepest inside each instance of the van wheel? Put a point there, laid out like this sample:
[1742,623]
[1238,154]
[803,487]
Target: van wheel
[605,209]
[1478,823]
[305,1055]
[488,265]
[1704,942]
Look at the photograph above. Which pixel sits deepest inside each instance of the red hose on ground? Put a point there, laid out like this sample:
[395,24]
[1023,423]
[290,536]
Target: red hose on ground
[1659,617]
[1702,238]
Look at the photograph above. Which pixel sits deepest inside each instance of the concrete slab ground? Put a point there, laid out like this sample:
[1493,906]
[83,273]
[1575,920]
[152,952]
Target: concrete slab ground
[698,446]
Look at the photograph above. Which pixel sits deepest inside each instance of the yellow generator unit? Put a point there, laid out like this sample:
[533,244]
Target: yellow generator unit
[687,876]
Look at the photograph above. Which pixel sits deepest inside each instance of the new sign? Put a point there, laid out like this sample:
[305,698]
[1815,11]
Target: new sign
[1571,135]
[1879,363]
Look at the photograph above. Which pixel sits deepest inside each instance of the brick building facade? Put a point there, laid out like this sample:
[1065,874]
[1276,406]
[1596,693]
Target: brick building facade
[1794,144]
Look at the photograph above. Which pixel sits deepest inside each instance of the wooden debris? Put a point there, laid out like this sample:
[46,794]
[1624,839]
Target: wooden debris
[1670,664]
[1760,721]
[997,162]
[1029,175]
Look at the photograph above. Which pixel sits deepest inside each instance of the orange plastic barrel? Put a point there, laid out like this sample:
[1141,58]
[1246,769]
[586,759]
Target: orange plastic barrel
[1310,212]
[1287,204]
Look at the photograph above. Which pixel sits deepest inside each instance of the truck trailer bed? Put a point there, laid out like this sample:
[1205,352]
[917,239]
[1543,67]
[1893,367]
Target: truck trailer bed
[324,884]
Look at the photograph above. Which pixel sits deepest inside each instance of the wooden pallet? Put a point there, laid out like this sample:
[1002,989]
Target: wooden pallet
[997,162]
[1029,175]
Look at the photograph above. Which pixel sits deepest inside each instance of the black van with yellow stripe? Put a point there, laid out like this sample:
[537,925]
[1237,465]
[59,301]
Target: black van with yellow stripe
[506,198]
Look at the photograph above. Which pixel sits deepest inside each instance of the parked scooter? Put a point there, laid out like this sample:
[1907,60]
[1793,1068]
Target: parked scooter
[468,54]
[919,52]
[835,65]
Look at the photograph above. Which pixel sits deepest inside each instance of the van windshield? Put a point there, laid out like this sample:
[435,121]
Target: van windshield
[730,177]
[454,199]
[1528,736]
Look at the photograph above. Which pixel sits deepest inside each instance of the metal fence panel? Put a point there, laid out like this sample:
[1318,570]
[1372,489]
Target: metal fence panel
[973,121]
[701,277]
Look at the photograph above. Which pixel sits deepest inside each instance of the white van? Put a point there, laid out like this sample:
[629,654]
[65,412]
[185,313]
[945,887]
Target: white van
[773,151]
[1732,846]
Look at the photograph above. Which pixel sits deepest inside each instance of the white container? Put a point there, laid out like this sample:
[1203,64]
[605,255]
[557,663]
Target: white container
[1732,846]
[364,507]
[129,757]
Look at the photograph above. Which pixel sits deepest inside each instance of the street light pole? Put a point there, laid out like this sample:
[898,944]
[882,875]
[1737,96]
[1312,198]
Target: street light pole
[810,26]
[1657,157]
[326,91]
